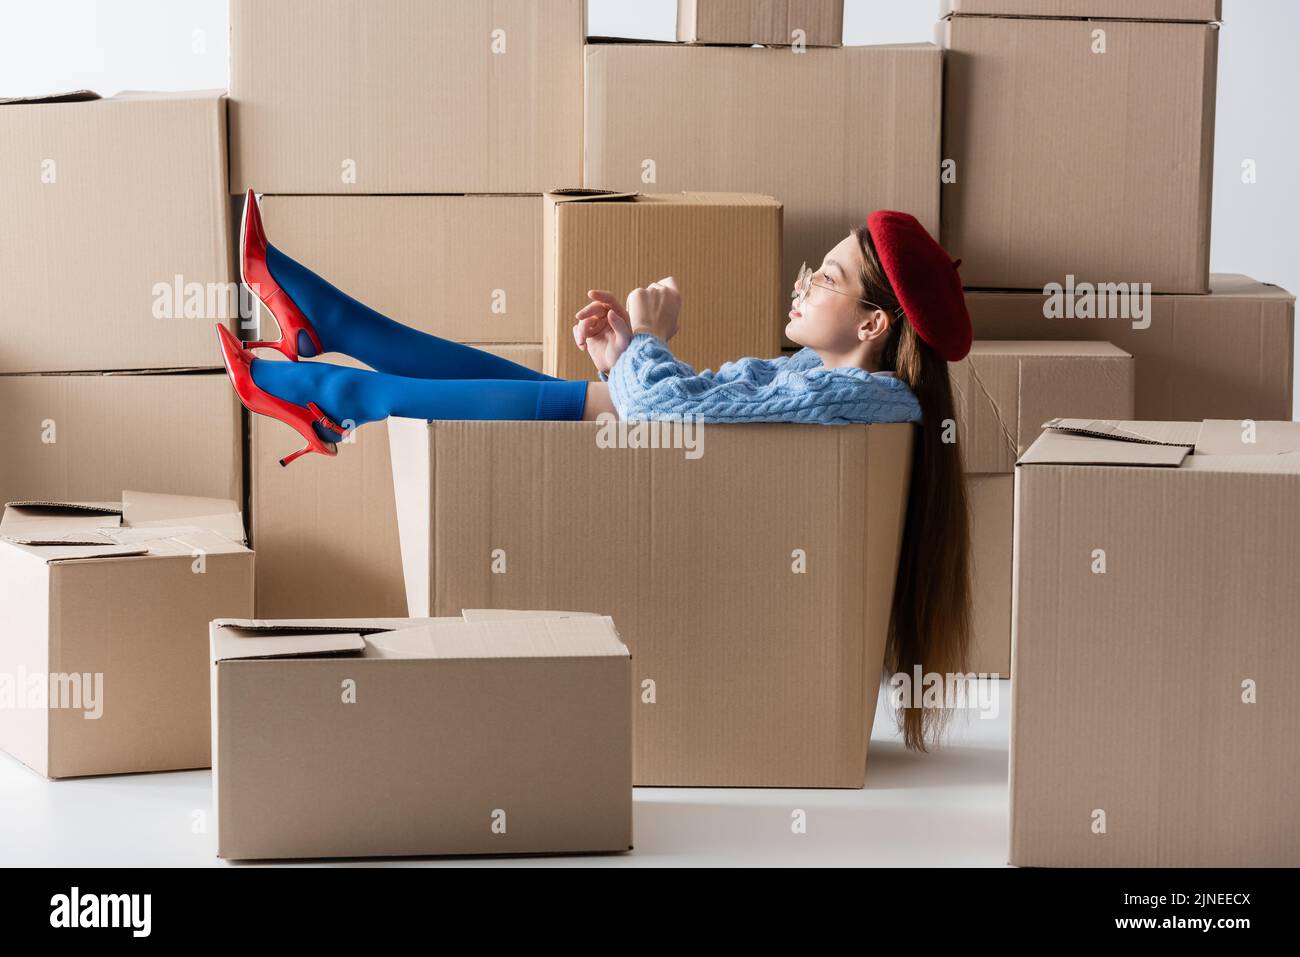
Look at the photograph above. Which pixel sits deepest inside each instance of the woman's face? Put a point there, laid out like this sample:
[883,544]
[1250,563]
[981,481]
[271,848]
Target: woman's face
[832,317]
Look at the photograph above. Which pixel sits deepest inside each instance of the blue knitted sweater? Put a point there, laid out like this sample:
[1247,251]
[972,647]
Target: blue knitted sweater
[647,382]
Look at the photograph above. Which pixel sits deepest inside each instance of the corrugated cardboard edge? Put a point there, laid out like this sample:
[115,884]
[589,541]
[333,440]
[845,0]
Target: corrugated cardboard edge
[951,8]
[411,450]
[890,451]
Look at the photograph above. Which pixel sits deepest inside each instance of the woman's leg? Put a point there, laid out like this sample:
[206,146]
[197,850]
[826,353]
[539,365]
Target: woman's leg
[348,326]
[353,397]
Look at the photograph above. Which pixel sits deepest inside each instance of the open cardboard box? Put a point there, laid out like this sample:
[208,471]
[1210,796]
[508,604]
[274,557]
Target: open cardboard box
[493,733]
[751,574]
[104,611]
[1155,657]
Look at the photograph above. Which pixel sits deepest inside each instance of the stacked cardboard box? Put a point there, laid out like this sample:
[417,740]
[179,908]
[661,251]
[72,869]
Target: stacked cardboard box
[1229,354]
[116,266]
[724,250]
[1078,144]
[1153,714]
[813,23]
[414,187]
[104,609]
[1005,391]
[670,116]
[1107,234]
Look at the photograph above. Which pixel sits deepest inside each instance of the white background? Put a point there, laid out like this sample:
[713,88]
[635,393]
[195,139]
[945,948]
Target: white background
[108,45]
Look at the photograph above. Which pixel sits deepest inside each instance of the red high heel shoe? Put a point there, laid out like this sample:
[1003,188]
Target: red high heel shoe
[257,277]
[239,362]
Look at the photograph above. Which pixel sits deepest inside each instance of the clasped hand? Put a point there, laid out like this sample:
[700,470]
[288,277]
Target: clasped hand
[604,327]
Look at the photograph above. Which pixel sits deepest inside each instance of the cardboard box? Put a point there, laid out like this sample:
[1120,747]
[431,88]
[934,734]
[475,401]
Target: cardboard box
[510,736]
[664,117]
[1228,355]
[405,96]
[331,520]
[1005,391]
[1153,716]
[809,23]
[724,249]
[466,268]
[1194,10]
[104,609]
[1049,141]
[116,250]
[750,573]
[87,436]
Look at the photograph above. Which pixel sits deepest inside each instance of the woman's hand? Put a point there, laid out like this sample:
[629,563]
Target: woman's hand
[656,309]
[603,329]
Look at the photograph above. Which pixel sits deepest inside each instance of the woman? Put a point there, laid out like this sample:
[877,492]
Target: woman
[879,322]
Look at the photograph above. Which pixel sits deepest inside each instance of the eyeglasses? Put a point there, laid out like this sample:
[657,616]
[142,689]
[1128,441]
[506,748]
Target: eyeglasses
[804,283]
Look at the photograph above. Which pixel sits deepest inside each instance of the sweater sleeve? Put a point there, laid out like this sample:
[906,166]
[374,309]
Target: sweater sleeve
[648,382]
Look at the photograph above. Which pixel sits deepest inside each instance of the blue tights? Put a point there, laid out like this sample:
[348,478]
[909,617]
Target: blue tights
[420,376]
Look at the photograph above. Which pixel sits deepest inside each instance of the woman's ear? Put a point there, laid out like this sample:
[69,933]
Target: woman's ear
[873,326]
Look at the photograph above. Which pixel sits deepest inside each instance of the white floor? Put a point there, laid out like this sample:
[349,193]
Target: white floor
[948,807]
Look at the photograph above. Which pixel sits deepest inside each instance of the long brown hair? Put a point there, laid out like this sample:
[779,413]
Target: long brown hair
[930,621]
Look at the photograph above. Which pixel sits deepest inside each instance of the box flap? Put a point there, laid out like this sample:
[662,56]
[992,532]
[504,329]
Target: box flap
[577,194]
[241,638]
[58,531]
[516,636]
[56,519]
[72,96]
[143,524]
[361,626]
[156,510]
[232,643]
[1101,442]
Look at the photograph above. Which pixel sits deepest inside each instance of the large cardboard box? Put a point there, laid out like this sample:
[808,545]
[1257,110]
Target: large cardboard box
[116,251]
[1153,712]
[1080,147]
[85,437]
[1196,10]
[466,268]
[325,530]
[666,117]
[1227,355]
[1005,391]
[104,611]
[405,96]
[750,569]
[805,23]
[724,249]
[499,736]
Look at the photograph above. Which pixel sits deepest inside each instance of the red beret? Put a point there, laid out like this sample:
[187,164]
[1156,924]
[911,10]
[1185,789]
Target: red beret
[925,281]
